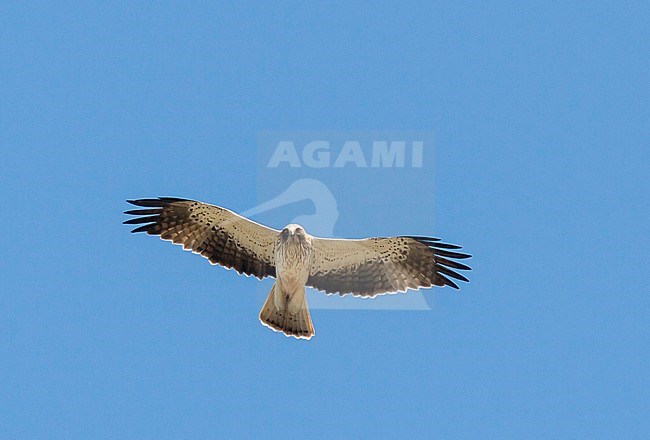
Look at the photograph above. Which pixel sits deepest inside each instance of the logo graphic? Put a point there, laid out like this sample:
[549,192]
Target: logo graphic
[322,180]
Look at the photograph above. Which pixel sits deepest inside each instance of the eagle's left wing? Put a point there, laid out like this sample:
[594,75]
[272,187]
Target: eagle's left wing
[218,234]
[374,266]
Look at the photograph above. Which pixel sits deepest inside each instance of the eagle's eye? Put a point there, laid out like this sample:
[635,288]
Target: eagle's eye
[285,233]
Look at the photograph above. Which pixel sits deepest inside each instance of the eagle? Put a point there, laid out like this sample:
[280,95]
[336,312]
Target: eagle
[361,267]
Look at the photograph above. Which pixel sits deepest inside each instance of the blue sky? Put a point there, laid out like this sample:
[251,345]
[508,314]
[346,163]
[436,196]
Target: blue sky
[540,116]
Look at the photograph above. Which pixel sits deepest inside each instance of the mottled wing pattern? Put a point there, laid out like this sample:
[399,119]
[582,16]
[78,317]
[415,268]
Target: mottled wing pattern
[218,234]
[374,266]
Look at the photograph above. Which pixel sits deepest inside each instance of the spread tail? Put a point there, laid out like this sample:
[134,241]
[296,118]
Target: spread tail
[287,314]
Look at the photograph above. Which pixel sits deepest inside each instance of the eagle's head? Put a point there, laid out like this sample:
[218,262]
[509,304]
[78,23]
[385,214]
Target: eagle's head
[294,233]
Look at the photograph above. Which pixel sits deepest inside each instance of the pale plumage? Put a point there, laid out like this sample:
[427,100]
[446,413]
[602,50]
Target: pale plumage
[366,267]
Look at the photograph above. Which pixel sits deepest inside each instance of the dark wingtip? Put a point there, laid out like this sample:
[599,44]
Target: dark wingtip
[448,254]
[447,246]
[144,228]
[444,270]
[440,248]
[447,281]
[151,213]
[138,220]
[422,238]
[159,202]
[143,211]
[445,260]
[451,263]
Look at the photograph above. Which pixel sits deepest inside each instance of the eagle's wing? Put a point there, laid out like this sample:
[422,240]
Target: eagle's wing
[373,266]
[218,234]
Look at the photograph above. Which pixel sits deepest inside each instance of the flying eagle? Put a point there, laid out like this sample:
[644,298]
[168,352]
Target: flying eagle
[365,267]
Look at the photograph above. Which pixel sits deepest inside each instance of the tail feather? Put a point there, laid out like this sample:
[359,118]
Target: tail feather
[276,315]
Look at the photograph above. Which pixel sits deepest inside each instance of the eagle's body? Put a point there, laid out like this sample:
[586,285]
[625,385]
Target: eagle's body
[293,253]
[286,305]
[365,267]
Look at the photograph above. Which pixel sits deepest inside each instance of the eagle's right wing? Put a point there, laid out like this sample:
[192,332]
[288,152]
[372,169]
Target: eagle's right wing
[374,266]
[216,233]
